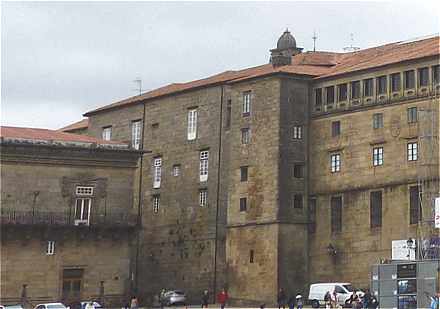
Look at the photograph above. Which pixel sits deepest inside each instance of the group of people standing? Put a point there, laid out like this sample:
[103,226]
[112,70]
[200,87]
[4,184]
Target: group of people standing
[368,300]
[294,299]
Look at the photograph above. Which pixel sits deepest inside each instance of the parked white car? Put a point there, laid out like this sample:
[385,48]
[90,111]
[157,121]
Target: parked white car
[50,306]
[343,292]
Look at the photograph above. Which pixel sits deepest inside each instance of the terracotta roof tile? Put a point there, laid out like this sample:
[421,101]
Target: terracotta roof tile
[315,64]
[50,135]
[82,124]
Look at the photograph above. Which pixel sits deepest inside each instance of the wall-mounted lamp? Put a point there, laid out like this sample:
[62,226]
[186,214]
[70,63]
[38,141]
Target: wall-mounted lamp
[331,250]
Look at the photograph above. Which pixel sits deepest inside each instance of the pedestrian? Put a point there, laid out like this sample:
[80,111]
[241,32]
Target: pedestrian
[328,300]
[366,300]
[89,305]
[134,303]
[299,301]
[222,298]
[205,299]
[75,304]
[162,298]
[334,299]
[354,300]
[281,299]
[291,301]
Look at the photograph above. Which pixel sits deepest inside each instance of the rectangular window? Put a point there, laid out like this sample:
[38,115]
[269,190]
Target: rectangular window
[381,85]
[312,215]
[136,128]
[415,211]
[246,103]
[336,214]
[82,190]
[244,173]
[336,128]
[156,203]
[50,247]
[203,197]
[243,204]
[318,97]
[298,201]
[251,256]
[342,92]
[82,211]
[377,156]
[107,133]
[335,162]
[377,121]
[412,114]
[436,74]
[297,132]
[245,136]
[375,209]
[356,89]
[157,172]
[409,79]
[204,157]
[192,124]
[228,114]
[298,171]
[395,82]
[176,170]
[412,151]
[423,74]
[330,94]
[368,87]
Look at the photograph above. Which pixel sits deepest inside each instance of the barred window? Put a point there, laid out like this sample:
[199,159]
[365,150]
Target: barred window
[395,82]
[157,172]
[245,136]
[377,156]
[368,87]
[298,201]
[244,173]
[298,170]
[409,79]
[192,124]
[50,247]
[204,157]
[412,114]
[203,197]
[246,103]
[415,210]
[412,151]
[335,160]
[375,209]
[330,94]
[336,214]
[136,128]
[381,85]
[423,77]
[82,190]
[156,203]
[297,132]
[342,92]
[176,170]
[355,89]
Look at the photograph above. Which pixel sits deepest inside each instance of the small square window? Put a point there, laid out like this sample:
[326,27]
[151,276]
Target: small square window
[203,197]
[377,156]
[297,132]
[377,121]
[336,128]
[298,171]
[245,136]
[412,151]
[412,114]
[298,201]
[176,170]
[243,204]
[243,173]
[335,160]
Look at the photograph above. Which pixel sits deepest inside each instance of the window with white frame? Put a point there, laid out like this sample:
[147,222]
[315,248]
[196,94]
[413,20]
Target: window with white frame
[136,129]
[246,103]
[50,247]
[107,133]
[297,132]
[192,124]
[176,170]
[204,156]
[335,160]
[157,172]
[156,203]
[203,197]
[412,151]
[377,156]
[82,211]
[245,136]
[84,190]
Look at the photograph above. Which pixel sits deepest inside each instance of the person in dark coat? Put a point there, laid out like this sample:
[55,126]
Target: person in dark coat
[291,301]
[205,299]
[281,299]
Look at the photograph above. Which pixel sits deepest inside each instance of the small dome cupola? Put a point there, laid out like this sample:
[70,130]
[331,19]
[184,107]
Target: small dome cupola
[286,41]
[286,49]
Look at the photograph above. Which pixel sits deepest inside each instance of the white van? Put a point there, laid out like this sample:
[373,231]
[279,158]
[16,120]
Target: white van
[318,291]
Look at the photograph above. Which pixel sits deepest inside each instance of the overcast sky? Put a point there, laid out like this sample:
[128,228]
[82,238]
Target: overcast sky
[62,59]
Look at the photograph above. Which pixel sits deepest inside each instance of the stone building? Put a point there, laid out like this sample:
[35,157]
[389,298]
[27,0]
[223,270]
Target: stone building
[297,171]
[67,217]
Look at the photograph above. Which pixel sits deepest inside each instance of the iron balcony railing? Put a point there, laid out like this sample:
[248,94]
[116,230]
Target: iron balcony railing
[106,220]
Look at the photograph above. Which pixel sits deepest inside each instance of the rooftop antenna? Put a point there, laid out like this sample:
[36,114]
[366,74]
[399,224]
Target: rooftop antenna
[138,82]
[314,37]
[351,48]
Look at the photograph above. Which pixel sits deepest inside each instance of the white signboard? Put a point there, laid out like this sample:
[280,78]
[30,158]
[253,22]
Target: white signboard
[437,213]
[400,251]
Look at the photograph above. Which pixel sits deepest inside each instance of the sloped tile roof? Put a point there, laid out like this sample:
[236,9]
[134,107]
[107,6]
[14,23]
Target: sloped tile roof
[82,124]
[35,134]
[314,64]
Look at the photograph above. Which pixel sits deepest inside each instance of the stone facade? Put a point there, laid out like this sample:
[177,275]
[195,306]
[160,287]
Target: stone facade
[41,204]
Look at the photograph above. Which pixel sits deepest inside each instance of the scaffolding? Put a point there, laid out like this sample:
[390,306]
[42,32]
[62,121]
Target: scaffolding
[428,175]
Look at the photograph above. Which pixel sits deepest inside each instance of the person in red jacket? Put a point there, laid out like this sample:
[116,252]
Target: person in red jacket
[222,298]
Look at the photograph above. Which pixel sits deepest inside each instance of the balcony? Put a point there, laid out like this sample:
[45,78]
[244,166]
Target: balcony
[108,220]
